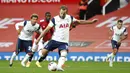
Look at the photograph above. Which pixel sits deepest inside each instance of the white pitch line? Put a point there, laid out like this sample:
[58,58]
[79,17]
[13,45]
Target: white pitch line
[101,44]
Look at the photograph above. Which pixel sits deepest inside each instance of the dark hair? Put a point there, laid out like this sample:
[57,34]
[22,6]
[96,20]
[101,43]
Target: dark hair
[63,7]
[120,21]
[34,15]
[47,13]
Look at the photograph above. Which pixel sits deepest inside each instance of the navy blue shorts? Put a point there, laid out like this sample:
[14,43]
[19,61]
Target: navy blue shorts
[115,44]
[52,44]
[24,45]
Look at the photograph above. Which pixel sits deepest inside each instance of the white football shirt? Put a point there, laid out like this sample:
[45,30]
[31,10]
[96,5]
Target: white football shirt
[61,28]
[28,30]
[118,32]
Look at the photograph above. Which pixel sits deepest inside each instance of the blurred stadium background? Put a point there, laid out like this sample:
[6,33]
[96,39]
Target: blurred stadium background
[87,43]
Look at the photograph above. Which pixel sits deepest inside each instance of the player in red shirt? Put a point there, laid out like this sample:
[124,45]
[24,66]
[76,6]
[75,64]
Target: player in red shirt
[43,24]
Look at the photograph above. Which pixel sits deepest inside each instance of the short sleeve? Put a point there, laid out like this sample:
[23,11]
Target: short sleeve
[19,24]
[73,19]
[111,28]
[52,22]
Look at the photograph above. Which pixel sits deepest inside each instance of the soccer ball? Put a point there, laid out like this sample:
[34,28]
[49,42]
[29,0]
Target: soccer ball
[52,66]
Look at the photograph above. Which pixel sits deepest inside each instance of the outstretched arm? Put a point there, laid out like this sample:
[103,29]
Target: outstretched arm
[110,34]
[83,22]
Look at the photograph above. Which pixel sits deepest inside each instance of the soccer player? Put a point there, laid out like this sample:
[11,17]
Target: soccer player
[60,37]
[25,38]
[117,33]
[43,25]
[46,39]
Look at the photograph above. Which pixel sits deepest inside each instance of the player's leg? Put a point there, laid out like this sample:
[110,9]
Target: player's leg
[41,58]
[42,55]
[62,60]
[113,54]
[113,43]
[16,52]
[115,47]
[34,49]
[63,54]
[28,46]
[115,50]
[49,46]
[41,45]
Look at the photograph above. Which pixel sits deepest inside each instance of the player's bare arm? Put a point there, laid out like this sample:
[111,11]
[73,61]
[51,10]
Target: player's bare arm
[82,22]
[17,27]
[123,37]
[18,31]
[43,33]
[110,34]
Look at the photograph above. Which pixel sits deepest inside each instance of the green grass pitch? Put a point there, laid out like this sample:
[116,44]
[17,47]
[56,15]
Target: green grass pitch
[70,67]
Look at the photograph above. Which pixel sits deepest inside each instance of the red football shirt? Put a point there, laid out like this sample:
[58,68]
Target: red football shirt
[44,24]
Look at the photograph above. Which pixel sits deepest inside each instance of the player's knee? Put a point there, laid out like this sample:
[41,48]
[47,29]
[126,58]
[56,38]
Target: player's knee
[40,53]
[16,53]
[30,53]
[34,48]
[63,53]
[115,51]
[43,52]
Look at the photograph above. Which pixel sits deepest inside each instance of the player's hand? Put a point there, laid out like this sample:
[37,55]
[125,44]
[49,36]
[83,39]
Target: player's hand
[110,38]
[119,42]
[18,31]
[94,20]
[36,42]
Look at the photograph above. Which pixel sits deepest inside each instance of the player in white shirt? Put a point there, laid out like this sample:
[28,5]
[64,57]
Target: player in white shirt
[25,38]
[60,37]
[118,33]
[43,23]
